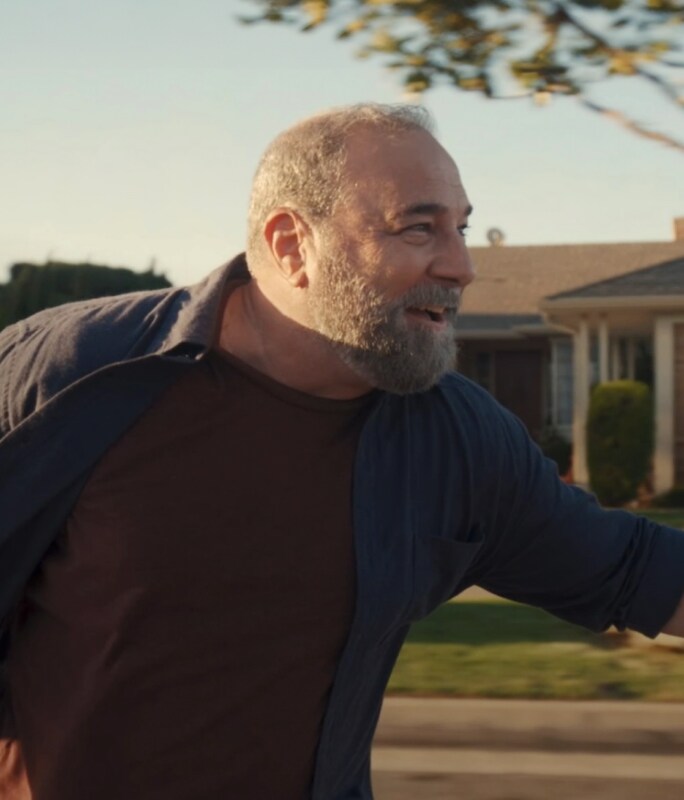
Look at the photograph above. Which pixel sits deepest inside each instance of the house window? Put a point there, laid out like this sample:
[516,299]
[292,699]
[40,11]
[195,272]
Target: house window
[623,359]
[594,377]
[643,361]
[561,385]
[634,359]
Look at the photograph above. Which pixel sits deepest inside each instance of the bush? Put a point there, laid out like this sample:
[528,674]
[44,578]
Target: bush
[33,287]
[619,440]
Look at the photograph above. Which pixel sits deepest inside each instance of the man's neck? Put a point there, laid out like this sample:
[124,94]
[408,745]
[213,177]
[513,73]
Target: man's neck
[261,335]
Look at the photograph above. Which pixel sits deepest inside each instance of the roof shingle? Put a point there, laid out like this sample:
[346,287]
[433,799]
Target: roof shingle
[662,279]
[513,280]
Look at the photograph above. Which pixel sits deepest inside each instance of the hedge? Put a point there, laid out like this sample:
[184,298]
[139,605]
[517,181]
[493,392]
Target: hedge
[619,440]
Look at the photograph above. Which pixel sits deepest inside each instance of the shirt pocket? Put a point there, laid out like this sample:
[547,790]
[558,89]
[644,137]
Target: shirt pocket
[440,566]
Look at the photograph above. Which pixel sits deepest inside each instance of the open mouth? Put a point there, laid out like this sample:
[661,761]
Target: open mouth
[434,314]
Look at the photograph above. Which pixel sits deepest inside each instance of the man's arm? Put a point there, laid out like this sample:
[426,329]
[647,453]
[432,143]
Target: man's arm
[551,545]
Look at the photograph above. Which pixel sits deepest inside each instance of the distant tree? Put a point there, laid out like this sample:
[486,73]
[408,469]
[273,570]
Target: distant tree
[510,48]
[32,287]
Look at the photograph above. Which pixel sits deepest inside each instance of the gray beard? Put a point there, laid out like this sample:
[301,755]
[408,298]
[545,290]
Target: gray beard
[373,337]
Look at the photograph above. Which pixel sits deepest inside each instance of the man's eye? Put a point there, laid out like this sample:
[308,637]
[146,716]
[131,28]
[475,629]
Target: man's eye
[417,229]
[463,230]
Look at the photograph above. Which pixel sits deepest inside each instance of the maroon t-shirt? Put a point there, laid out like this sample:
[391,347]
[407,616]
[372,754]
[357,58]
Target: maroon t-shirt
[180,640]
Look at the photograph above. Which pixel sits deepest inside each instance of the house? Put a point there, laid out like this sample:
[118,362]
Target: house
[542,324]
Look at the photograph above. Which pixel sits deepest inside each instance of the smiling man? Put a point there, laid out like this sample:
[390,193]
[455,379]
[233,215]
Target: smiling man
[224,505]
[363,272]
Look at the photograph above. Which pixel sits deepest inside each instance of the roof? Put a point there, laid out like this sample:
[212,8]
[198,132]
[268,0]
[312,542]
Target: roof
[501,326]
[514,280]
[662,279]
[496,321]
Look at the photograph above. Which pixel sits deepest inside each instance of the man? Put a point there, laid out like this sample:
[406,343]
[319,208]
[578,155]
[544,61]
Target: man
[223,506]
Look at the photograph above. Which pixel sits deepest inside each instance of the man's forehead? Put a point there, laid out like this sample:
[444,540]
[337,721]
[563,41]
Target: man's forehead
[366,144]
[391,161]
[404,178]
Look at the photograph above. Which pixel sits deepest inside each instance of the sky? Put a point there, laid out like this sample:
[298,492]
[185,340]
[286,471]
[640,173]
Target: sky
[130,130]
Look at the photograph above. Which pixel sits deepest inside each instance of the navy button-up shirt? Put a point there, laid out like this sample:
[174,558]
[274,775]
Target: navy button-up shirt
[449,491]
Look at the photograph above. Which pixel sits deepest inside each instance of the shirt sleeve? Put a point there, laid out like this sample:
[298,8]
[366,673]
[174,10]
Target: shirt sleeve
[551,545]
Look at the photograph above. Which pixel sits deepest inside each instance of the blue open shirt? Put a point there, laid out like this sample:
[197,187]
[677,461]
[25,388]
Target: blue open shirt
[449,491]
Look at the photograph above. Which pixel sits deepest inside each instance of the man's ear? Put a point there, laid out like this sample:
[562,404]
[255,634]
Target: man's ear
[288,238]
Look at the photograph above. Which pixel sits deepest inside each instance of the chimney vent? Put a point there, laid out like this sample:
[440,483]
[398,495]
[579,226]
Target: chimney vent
[496,237]
[679,229]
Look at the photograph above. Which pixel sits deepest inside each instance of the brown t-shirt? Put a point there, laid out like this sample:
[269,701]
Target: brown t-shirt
[180,640]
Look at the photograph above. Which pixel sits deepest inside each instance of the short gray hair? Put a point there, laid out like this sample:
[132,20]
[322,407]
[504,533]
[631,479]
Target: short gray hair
[303,168]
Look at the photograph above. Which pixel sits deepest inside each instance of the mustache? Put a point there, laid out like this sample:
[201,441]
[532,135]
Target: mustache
[432,295]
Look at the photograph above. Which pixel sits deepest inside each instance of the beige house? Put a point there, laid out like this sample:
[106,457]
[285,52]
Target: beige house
[542,324]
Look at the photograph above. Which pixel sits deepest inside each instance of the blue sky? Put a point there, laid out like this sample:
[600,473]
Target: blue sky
[129,131]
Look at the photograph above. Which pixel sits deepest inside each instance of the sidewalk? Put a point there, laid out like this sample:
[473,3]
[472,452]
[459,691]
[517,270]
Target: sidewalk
[546,725]
[528,750]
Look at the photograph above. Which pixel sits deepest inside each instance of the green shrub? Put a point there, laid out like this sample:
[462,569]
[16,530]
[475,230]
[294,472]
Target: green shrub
[619,439]
[33,287]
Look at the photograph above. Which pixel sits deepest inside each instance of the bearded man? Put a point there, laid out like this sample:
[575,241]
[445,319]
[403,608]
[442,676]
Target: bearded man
[223,506]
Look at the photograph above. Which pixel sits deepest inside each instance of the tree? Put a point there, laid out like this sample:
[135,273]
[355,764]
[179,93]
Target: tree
[510,48]
[33,287]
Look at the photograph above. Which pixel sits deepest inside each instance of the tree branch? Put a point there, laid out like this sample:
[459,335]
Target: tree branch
[670,92]
[632,126]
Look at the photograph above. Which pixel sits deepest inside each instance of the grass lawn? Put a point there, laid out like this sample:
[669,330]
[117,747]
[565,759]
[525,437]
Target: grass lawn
[674,517]
[491,648]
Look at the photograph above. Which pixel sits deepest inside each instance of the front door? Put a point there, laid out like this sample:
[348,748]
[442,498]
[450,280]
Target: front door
[518,386]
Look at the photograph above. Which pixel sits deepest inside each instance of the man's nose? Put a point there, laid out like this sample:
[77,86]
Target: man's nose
[452,262]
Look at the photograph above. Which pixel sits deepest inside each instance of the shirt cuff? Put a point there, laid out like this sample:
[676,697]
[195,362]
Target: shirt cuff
[661,586]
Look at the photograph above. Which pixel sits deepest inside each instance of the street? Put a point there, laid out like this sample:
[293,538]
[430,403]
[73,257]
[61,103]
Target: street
[433,749]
